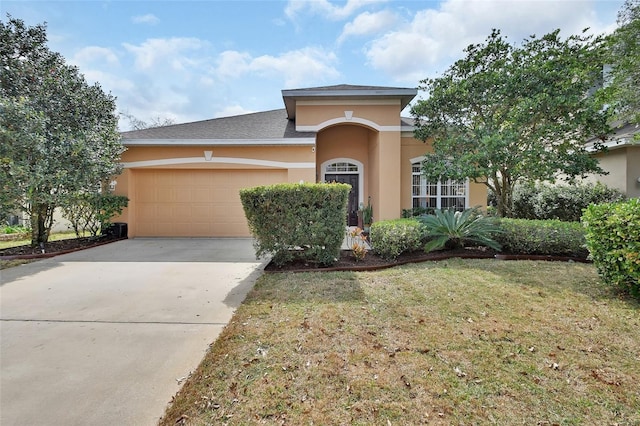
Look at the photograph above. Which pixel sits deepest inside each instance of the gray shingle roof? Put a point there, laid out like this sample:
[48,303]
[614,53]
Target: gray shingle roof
[256,126]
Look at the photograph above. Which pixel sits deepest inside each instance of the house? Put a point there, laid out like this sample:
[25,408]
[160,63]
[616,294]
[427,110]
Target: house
[184,179]
[621,160]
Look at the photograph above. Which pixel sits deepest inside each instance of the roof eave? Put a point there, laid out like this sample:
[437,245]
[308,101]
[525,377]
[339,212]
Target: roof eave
[220,142]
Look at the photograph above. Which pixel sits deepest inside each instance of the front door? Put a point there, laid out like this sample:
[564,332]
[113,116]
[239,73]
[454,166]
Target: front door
[352,206]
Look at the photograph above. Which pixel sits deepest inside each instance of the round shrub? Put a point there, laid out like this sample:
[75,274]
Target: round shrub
[391,238]
[613,239]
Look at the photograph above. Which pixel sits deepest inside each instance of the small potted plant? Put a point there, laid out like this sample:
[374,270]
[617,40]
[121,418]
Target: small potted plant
[367,217]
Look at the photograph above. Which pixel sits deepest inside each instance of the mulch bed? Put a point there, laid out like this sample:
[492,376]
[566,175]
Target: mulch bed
[54,248]
[371,262]
[346,262]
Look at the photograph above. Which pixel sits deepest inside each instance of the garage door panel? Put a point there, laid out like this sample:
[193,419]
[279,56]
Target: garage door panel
[194,203]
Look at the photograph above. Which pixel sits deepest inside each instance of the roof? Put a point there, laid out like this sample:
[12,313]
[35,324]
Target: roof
[623,135]
[269,125]
[346,91]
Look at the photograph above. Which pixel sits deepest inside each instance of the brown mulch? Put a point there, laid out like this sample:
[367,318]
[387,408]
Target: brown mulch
[347,261]
[55,247]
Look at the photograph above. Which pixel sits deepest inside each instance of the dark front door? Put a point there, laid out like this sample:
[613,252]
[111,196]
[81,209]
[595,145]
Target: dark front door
[352,206]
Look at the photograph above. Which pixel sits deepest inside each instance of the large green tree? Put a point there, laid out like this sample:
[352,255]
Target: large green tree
[623,90]
[58,134]
[508,113]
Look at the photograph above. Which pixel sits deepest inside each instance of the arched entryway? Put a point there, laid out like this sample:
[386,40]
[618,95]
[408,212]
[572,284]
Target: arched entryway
[350,171]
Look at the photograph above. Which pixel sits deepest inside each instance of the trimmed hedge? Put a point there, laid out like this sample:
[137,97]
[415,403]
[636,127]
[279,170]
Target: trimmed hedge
[391,238]
[542,237]
[562,202]
[297,221]
[613,239]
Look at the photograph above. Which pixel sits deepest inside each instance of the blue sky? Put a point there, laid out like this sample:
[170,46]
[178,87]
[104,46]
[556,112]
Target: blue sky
[194,60]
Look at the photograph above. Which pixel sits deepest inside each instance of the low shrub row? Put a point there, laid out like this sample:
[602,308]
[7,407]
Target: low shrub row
[613,238]
[542,201]
[297,221]
[392,238]
[542,237]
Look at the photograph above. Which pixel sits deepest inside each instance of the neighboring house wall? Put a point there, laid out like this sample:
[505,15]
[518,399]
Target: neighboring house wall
[623,165]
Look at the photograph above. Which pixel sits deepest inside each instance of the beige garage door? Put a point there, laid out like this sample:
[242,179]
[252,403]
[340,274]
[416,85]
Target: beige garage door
[195,203]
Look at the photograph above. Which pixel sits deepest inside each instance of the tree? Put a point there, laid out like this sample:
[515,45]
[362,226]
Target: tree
[623,92]
[59,134]
[505,114]
[137,124]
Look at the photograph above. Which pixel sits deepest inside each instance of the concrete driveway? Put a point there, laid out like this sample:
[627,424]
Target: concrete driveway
[107,335]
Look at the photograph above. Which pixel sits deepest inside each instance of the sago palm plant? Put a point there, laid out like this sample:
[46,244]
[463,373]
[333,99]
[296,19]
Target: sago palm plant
[454,229]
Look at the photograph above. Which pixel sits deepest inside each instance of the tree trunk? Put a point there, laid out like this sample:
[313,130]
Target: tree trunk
[41,221]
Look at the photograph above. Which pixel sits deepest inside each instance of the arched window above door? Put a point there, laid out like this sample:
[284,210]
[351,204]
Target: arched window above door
[341,167]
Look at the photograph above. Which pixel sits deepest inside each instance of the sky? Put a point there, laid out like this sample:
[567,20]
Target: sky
[194,60]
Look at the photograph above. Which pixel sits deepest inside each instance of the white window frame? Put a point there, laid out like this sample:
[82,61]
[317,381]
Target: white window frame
[439,187]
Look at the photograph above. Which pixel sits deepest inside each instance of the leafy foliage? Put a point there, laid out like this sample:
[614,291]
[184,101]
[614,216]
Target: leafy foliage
[391,238]
[453,229]
[542,237]
[92,212]
[613,239]
[297,221]
[507,113]
[623,89]
[543,201]
[417,211]
[59,134]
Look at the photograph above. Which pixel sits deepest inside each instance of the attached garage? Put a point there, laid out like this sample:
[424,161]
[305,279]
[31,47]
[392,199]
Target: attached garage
[195,202]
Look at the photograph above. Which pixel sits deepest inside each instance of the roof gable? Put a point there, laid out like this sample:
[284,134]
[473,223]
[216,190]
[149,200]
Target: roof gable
[346,91]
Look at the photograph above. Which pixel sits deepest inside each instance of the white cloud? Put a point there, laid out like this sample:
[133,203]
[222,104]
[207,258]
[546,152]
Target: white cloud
[149,18]
[325,8]
[153,52]
[368,24]
[93,54]
[232,64]
[436,37]
[232,110]
[295,67]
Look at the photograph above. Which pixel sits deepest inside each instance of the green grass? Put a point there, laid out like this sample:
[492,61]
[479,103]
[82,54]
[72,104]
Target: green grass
[452,342]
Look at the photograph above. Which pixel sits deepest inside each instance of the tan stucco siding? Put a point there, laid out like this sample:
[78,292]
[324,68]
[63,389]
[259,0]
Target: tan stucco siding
[386,203]
[309,114]
[345,141]
[615,162]
[176,191]
[633,174]
[623,165]
[292,154]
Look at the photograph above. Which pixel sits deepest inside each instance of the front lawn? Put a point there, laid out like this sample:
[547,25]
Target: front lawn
[450,342]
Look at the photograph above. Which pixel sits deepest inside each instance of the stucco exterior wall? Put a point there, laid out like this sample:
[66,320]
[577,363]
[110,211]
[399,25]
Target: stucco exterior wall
[615,162]
[633,171]
[313,113]
[297,163]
